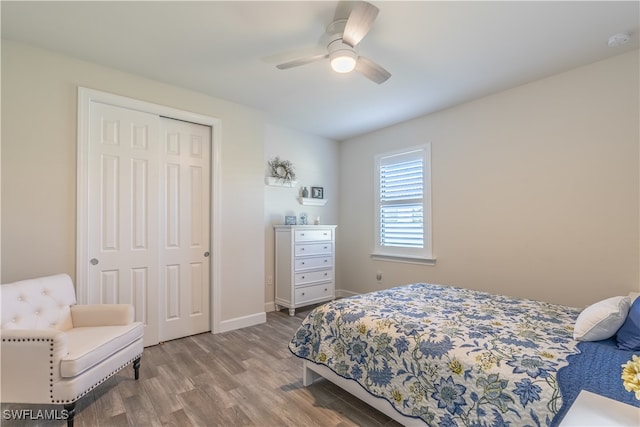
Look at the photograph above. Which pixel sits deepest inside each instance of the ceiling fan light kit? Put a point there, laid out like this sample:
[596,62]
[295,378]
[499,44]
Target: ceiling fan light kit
[342,57]
[344,36]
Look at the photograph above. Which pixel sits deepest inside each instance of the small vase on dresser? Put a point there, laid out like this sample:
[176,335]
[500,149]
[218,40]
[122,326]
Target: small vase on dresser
[305,265]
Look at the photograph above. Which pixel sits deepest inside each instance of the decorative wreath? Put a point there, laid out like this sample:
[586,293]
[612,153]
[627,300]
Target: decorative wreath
[282,169]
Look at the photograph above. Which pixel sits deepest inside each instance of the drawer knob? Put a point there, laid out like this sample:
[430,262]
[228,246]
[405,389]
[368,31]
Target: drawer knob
[302,262]
[303,294]
[326,247]
[303,277]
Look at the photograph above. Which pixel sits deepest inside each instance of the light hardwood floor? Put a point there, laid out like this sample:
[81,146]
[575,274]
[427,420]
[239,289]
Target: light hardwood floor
[246,377]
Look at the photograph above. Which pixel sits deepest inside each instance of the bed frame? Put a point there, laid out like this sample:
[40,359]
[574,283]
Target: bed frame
[312,371]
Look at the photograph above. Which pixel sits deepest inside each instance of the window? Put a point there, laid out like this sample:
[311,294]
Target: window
[403,205]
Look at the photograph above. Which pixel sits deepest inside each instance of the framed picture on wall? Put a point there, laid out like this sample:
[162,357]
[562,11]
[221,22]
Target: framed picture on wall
[317,192]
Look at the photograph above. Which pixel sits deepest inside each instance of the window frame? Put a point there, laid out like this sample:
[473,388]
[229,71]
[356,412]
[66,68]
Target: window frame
[422,255]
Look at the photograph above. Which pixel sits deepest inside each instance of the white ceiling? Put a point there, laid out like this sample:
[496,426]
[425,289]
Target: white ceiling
[439,53]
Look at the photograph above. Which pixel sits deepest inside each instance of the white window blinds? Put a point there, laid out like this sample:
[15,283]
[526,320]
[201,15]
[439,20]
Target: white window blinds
[403,205]
[401,200]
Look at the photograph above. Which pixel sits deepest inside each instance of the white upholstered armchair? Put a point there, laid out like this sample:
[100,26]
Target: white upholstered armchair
[54,351]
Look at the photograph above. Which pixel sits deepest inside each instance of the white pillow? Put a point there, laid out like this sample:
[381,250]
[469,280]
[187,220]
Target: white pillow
[601,320]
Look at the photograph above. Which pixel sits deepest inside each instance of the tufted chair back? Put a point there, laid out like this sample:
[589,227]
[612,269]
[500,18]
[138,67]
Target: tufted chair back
[42,303]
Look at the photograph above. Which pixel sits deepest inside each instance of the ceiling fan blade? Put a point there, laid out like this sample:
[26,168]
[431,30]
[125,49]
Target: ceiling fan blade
[371,70]
[302,61]
[359,23]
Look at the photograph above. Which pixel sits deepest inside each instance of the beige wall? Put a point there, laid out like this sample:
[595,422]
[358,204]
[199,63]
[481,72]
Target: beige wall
[39,92]
[316,164]
[535,190]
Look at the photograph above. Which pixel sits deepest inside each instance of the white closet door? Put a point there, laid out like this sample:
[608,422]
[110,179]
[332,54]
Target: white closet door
[148,219]
[184,238]
[123,212]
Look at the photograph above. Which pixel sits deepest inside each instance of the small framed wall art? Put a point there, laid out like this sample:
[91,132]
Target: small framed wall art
[317,192]
[290,220]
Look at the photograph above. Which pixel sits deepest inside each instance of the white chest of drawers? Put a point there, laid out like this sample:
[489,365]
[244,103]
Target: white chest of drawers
[305,265]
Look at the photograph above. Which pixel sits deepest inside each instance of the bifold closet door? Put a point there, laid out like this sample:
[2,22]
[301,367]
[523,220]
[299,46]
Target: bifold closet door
[123,220]
[185,219]
[148,219]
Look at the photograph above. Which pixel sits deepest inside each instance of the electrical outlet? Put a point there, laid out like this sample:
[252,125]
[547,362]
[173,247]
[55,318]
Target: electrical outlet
[379,276]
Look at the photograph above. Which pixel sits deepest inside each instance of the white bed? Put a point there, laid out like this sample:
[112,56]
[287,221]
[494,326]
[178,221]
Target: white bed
[312,371]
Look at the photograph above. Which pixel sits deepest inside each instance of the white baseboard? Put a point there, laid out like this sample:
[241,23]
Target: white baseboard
[343,293]
[340,293]
[243,322]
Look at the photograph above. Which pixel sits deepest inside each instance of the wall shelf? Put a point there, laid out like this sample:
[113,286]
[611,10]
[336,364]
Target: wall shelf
[312,202]
[279,182]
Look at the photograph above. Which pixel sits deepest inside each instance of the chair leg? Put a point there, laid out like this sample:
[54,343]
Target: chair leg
[71,413]
[136,367]
[71,407]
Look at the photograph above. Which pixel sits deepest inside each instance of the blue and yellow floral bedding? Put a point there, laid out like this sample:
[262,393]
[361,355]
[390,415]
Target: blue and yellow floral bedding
[450,356]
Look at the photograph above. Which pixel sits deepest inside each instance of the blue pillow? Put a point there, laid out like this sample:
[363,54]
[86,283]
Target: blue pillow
[628,336]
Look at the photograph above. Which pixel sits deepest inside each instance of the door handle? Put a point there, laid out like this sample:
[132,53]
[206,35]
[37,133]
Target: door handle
[94,261]
[206,254]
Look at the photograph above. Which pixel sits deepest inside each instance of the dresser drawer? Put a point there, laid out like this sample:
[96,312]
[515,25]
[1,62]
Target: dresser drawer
[313,276]
[311,263]
[313,293]
[313,235]
[314,249]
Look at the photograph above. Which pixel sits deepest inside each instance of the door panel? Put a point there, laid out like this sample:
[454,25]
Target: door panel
[123,211]
[184,281]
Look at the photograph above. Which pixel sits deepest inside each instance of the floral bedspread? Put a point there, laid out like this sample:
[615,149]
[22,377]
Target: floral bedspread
[450,356]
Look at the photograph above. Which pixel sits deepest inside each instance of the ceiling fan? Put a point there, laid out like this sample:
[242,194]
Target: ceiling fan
[343,38]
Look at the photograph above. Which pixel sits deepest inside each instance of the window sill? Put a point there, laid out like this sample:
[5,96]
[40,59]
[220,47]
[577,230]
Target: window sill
[403,258]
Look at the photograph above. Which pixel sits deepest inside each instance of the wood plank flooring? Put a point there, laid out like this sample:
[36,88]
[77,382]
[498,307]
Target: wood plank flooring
[245,377]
